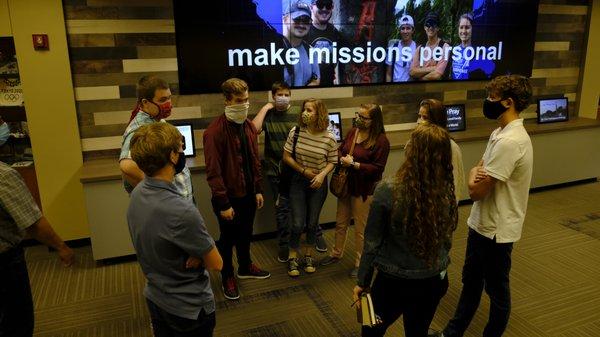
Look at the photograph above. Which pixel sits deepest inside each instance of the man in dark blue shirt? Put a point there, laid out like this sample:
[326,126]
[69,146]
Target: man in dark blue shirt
[173,246]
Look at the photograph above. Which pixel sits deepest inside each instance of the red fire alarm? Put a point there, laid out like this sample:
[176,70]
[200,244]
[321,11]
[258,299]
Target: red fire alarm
[40,42]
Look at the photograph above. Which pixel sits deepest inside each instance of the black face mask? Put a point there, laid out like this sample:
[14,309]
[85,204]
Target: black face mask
[180,165]
[493,109]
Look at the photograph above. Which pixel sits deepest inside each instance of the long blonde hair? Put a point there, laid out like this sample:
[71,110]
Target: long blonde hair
[426,183]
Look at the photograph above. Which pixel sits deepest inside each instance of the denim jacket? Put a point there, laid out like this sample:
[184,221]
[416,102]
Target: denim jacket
[386,245]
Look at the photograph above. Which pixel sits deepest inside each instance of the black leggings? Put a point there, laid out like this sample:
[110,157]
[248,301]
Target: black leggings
[415,299]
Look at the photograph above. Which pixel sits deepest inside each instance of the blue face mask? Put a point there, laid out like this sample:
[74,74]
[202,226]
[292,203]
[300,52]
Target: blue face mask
[4,133]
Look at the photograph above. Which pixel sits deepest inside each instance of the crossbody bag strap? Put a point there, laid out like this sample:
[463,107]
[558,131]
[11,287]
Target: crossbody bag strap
[296,135]
[353,142]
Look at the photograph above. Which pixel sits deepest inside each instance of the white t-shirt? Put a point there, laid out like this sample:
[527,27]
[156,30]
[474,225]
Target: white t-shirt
[508,157]
[401,71]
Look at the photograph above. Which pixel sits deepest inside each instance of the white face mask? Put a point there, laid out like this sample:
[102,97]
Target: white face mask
[282,103]
[421,121]
[237,113]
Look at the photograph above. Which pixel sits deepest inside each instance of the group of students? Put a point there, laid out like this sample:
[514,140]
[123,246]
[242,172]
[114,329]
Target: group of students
[403,224]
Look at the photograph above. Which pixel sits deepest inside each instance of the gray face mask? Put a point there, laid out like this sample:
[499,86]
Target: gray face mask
[237,113]
[282,103]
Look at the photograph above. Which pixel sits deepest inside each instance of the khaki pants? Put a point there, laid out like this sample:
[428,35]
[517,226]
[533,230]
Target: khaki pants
[351,208]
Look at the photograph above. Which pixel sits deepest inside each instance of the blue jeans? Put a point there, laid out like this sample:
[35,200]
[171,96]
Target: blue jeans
[16,303]
[306,204]
[487,265]
[283,214]
[165,324]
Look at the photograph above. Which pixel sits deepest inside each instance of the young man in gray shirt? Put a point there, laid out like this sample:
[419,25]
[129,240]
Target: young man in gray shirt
[173,246]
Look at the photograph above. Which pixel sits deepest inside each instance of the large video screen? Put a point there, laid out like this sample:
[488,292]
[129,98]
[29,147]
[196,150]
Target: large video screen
[331,43]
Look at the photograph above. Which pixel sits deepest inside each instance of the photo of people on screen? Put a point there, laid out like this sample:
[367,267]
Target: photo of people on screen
[327,43]
[399,70]
[296,25]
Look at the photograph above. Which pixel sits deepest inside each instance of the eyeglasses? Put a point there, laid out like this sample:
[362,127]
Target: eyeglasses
[362,117]
[183,141]
[430,24]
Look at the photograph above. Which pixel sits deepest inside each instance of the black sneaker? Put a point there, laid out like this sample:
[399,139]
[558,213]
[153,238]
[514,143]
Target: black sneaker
[309,265]
[329,260]
[253,272]
[230,289]
[284,254]
[293,267]
[321,244]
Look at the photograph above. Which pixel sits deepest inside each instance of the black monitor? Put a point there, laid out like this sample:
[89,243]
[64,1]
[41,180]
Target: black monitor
[552,110]
[189,145]
[335,125]
[457,120]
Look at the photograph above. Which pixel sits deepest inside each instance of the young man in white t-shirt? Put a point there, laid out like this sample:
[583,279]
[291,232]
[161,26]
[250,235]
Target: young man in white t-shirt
[499,186]
[399,70]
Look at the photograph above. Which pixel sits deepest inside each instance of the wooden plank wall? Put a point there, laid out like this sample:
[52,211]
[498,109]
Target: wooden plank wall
[114,42]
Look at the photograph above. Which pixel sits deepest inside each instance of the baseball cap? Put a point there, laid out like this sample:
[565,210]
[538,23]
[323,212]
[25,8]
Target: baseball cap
[298,9]
[432,19]
[406,20]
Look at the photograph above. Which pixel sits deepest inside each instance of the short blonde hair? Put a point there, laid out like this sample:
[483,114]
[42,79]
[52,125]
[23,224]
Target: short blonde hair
[152,144]
[234,86]
[322,115]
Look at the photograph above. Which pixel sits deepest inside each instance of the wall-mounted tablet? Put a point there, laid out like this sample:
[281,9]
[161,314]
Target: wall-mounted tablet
[335,125]
[552,110]
[189,146]
[457,120]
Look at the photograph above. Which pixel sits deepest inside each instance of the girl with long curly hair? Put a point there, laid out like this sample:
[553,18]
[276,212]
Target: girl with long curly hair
[409,234]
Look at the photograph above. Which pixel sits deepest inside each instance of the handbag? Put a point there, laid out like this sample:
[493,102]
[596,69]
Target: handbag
[339,180]
[285,171]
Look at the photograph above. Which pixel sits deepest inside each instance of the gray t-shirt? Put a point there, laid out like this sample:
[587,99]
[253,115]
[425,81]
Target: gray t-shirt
[166,229]
[303,71]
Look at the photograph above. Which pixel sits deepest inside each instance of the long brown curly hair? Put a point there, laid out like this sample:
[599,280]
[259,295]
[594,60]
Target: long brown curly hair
[426,183]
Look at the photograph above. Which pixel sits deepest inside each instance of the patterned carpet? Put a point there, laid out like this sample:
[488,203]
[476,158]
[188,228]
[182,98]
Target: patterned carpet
[555,285]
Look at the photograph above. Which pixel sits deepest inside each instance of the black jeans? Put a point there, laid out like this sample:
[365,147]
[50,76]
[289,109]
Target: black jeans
[165,324]
[283,213]
[236,232]
[415,299]
[16,303]
[487,264]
